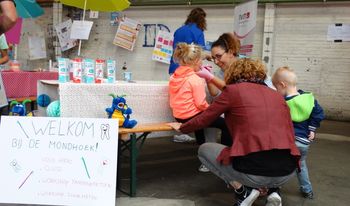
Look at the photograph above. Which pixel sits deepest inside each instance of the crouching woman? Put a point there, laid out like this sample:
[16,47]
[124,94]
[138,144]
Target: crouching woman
[263,153]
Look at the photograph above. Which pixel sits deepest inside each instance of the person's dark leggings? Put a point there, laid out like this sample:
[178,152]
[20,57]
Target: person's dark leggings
[218,123]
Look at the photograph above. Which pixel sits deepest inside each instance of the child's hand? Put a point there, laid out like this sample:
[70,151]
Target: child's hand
[205,73]
[312,136]
[175,125]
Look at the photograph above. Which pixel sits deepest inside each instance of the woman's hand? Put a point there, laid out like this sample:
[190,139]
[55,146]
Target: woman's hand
[175,125]
[205,73]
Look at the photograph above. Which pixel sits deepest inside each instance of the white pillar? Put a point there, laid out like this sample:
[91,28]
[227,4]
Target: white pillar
[269,22]
[57,18]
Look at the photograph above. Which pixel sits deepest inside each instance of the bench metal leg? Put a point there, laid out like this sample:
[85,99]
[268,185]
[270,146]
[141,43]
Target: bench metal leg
[131,146]
[133,156]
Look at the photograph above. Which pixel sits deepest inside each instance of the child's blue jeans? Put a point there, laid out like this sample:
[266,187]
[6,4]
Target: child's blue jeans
[303,176]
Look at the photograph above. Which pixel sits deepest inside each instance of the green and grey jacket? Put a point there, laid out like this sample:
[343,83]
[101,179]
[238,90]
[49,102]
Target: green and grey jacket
[306,115]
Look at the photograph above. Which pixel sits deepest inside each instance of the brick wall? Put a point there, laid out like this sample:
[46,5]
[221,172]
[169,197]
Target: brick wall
[299,41]
[322,67]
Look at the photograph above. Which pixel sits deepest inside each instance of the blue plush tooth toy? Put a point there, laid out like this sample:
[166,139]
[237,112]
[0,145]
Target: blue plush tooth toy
[18,109]
[120,110]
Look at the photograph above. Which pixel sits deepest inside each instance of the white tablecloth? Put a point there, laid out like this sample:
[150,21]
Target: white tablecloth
[148,100]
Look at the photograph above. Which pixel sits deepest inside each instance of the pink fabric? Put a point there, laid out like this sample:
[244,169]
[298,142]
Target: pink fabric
[14,34]
[24,84]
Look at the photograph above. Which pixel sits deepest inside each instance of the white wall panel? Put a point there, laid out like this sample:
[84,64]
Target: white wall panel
[322,67]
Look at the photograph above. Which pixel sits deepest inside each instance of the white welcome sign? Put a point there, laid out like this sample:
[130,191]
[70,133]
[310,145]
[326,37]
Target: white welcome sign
[58,161]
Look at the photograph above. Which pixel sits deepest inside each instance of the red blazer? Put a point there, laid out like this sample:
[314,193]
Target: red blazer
[257,117]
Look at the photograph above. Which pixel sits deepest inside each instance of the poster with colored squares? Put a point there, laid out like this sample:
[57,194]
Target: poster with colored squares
[58,161]
[163,48]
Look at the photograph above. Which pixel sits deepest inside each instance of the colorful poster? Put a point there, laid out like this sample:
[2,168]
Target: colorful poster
[115,18]
[58,161]
[127,33]
[244,25]
[163,48]
[13,35]
[37,46]
[63,31]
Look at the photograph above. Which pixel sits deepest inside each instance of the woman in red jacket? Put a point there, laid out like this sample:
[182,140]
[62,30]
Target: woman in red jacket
[263,153]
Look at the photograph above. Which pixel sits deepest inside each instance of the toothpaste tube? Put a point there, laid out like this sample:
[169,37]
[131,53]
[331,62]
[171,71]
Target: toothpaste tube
[89,70]
[99,65]
[111,70]
[63,70]
[77,70]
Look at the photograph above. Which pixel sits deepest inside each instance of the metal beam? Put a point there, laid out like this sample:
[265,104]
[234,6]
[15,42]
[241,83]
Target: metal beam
[217,2]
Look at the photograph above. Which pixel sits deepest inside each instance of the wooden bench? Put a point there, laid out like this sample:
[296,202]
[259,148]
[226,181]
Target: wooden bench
[128,139]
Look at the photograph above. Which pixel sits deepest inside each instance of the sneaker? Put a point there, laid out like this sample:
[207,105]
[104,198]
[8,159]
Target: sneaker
[203,168]
[183,138]
[247,197]
[274,199]
[308,195]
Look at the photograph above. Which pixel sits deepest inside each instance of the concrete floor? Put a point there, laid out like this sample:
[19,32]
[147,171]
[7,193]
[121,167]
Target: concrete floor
[168,170]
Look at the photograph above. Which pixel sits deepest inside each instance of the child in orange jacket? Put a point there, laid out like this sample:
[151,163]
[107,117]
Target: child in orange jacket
[187,92]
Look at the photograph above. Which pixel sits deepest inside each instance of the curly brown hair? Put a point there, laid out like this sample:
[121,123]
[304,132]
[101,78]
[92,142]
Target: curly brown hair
[197,16]
[245,70]
[228,42]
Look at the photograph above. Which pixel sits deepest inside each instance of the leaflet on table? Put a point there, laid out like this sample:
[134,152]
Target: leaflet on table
[127,33]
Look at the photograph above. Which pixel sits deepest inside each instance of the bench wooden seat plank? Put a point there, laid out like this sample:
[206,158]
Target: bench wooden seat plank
[148,127]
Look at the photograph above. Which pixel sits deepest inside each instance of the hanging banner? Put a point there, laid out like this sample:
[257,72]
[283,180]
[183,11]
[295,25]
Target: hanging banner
[58,161]
[244,25]
[127,33]
[163,48]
